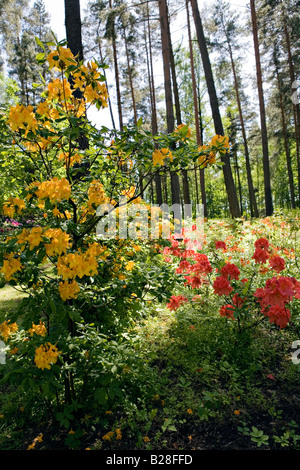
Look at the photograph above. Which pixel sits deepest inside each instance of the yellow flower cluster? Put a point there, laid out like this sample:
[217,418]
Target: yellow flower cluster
[7,329]
[55,189]
[59,90]
[9,208]
[110,434]
[219,143]
[68,290]
[79,264]
[32,236]
[45,355]
[10,266]
[159,156]
[22,117]
[39,329]
[60,58]
[88,79]
[96,195]
[59,241]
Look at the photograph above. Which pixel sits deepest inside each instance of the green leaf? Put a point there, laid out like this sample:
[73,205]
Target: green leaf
[39,43]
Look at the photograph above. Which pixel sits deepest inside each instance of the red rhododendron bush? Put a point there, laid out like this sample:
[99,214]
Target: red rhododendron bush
[252,280]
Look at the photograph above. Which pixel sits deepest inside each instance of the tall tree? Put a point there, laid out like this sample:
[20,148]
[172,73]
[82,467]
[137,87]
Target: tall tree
[226,38]
[166,55]
[227,172]
[263,123]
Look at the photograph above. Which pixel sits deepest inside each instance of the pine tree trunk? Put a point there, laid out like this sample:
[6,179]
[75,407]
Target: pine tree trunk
[296,109]
[157,178]
[116,67]
[285,135]
[196,113]
[252,198]
[264,133]
[130,78]
[163,16]
[74,40]
[228,178]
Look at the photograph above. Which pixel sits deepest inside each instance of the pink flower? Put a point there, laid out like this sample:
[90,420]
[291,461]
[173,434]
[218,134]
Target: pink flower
[222,286]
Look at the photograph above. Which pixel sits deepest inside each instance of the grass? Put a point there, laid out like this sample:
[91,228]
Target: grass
[9,297]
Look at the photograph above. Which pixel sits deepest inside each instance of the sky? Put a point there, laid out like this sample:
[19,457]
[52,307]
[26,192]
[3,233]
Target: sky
[56,10]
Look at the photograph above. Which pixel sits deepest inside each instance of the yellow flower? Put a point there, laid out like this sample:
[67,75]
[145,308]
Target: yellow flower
[38,329]
[118,434]
[45,355]
[7,329]
[59,241]
[189,411]
[10,267]
[237,412]
[146,439]
[59,90]
[129,266]
[60,58]
[12,205]
[55,189]
[159,156]
[108,436]
[68,290]
[22,117]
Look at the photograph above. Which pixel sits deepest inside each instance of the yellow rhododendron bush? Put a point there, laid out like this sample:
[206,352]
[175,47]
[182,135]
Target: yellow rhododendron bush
[79,287]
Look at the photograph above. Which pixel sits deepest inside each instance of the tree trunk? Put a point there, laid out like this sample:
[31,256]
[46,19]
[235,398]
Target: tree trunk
[157,178]
[196,113]
[74,40]
[163,16]
[73,27]
[116,67]
[264,134]
[252,198]
[296,109]
[285,135]
[228,178]
[130,77]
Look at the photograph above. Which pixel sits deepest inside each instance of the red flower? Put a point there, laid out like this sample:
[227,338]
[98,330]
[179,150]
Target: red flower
[184,265]
[227,311]
[238,301]
[260,255]
[220,245]
[278,291]
[176,301]
[280,316]
[194,281]
[202,265]
[231,270]
[262,243]
[277,263]
[222,286]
